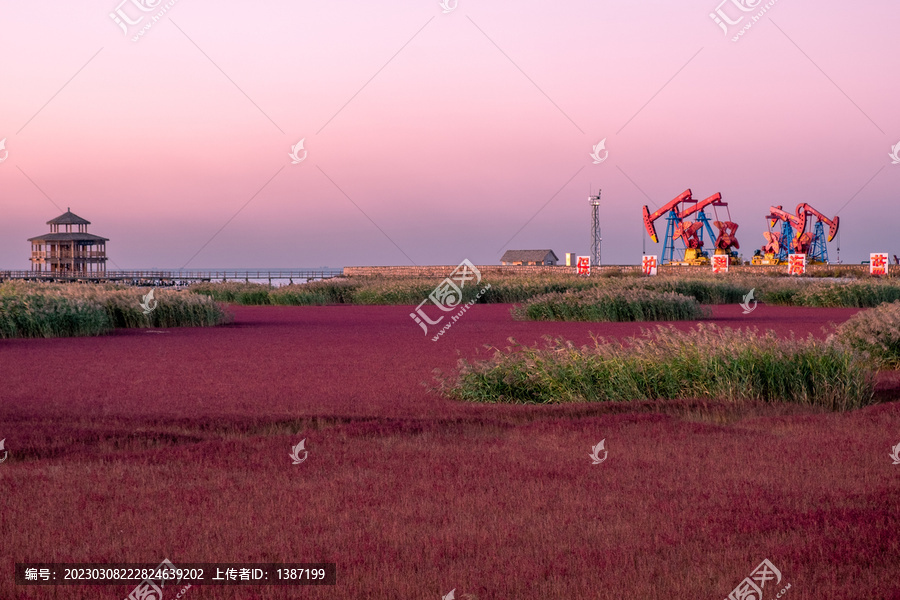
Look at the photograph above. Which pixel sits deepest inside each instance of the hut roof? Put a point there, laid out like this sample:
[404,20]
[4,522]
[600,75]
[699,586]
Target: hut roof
[526,255]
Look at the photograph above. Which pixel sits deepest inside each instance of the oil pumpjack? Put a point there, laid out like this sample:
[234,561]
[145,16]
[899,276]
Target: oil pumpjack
[691,233]
[796,236]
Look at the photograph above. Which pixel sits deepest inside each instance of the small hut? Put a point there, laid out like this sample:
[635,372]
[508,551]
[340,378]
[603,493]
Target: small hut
[68,249]
[529,257]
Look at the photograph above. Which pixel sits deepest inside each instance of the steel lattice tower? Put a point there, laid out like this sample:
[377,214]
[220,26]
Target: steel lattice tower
[595,229]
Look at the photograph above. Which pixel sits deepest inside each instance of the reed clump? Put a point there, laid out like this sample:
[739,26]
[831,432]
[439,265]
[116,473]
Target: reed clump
[610,304]
[32,310]
[875,332]
[850,295]
[706,362]
[234,292]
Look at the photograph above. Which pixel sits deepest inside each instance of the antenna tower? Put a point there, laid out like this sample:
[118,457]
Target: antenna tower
[595,229]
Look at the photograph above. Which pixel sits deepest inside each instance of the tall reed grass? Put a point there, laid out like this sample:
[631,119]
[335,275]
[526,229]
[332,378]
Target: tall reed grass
[707,362]
[235,292]
[517,288]
[854,295]
[36,315]
[605,304]
[875,332]
[326,291]
[707,290]
[29,310]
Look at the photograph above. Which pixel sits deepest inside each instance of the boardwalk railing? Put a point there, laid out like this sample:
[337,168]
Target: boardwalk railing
[173,276]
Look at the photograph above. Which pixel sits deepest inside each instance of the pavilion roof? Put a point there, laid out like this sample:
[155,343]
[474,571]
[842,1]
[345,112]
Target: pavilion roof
[68,218]
[72,236]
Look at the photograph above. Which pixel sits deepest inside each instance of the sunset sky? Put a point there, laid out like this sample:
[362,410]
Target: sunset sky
[432,136]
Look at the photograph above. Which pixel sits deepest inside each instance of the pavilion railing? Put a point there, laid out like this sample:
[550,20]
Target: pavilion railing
[68,255]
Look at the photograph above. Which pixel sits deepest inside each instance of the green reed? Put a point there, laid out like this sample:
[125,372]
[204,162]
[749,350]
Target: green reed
[707,362]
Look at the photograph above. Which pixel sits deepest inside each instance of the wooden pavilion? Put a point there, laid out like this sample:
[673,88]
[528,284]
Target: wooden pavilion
[71,250]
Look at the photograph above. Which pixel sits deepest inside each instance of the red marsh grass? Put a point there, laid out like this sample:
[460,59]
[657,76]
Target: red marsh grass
[181,452]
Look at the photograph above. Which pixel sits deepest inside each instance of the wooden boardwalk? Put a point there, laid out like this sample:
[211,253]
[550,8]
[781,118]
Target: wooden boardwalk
[174,277]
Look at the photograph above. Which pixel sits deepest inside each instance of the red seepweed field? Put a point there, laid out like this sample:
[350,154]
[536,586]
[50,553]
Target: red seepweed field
[143,445]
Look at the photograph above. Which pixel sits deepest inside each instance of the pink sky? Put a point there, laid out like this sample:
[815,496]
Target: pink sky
[454,144]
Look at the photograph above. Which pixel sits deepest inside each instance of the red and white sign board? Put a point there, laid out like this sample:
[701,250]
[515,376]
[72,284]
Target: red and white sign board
[720,263]
[648,265]
[584,265]
[796,264]
[878,264]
